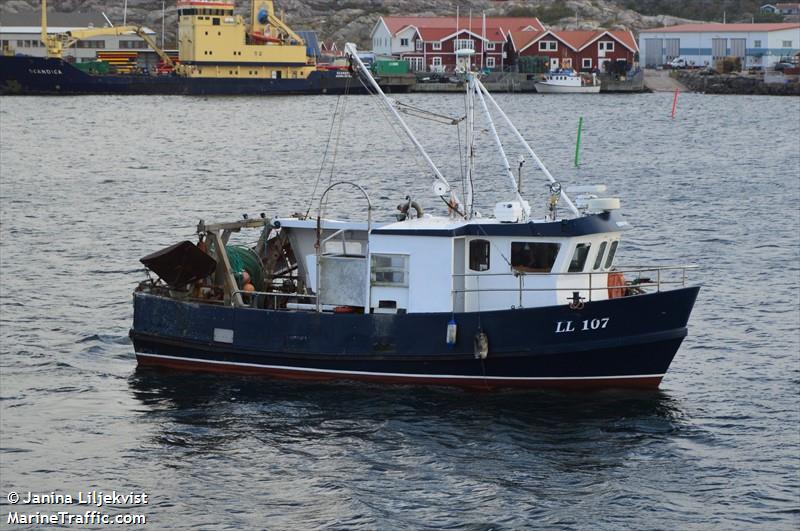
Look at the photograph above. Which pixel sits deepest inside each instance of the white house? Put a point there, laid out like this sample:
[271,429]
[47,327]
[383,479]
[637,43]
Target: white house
[783,8]
[758,45]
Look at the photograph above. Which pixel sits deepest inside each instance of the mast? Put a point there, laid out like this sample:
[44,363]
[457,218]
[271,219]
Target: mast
[442,186]
[506,166]
[470,95]
[43,35]
[482,89]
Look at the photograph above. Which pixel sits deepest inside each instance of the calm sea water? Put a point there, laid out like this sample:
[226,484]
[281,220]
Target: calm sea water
[89,185]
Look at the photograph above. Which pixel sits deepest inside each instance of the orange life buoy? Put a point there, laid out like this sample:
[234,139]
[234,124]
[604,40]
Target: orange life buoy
[616,284]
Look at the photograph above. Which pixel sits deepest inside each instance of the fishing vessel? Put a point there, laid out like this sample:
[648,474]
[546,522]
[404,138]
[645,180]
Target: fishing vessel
[507,299]
[218,53]
[568,82]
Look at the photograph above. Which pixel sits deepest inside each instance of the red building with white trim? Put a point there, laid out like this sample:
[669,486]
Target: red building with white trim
[581,50]
[431,43]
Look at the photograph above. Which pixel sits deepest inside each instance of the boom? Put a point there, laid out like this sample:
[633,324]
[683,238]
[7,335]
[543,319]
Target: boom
[263,15]
[57,42]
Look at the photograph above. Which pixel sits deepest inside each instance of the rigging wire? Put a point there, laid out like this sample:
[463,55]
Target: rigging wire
[424,169]
[425,114]
[324,156]
[362,73]
[339,132]
[337,139]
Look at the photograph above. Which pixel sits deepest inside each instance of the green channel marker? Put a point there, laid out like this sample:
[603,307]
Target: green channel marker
[578,142]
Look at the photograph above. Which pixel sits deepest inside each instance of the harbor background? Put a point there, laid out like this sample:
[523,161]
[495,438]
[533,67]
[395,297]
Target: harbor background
[89,185]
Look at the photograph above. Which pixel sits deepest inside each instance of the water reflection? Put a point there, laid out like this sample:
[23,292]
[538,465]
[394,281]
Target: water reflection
[216,408]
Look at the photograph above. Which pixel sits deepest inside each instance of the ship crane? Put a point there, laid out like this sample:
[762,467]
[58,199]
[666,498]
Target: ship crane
[57,42]
[263,20]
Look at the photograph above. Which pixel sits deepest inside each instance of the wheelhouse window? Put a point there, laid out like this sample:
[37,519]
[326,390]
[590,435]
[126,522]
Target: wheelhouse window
[534,257]
[598,261]
[579,258]
[389,270]
[611,252]
[479,251]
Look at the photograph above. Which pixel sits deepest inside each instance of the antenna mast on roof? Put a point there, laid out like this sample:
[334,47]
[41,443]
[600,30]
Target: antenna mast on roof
[483,44]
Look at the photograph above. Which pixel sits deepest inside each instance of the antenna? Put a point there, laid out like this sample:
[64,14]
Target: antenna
[110,24]
[483,44]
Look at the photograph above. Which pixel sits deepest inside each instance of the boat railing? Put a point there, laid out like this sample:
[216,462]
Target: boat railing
[251,298]
[664,278]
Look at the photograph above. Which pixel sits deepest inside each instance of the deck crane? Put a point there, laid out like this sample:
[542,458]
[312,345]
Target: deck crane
[57,42]
[263,20]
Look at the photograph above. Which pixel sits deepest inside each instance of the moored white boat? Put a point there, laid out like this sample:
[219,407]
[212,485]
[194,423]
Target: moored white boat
[504,300]
[568,82]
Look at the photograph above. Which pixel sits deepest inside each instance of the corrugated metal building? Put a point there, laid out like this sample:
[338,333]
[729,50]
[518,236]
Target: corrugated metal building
[758,45]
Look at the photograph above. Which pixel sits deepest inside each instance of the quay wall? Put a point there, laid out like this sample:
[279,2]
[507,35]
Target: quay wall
[740,84]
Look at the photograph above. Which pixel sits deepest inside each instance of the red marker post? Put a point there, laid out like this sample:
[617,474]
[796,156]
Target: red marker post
[675,102]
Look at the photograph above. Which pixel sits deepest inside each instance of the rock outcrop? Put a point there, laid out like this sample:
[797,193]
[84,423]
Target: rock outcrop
[354,19]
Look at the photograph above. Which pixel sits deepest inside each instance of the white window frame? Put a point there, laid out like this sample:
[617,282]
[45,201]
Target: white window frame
[490,62]
[586,62]
[403,41]
[757,43]
[465,44]
[403,268]
[609,46]
[490,46]
[436,45]
[548,46]
[418,44]
[415,63]
[786,44]
[436,62]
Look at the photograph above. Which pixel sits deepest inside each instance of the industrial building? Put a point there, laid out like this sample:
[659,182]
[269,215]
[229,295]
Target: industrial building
[20,34]
[759,45]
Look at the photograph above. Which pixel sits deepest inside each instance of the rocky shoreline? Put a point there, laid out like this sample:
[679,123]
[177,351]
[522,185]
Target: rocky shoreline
[740,84]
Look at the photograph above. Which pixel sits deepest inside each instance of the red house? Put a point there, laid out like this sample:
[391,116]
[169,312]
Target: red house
[440,44]
[581,50]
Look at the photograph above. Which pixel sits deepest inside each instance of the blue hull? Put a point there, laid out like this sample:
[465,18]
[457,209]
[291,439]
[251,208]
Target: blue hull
[39,76]
[625,342]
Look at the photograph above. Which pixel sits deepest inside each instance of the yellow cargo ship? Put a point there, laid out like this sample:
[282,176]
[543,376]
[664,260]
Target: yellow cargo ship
[218,53]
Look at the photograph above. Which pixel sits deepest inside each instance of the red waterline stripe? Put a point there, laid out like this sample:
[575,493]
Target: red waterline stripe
[646,381]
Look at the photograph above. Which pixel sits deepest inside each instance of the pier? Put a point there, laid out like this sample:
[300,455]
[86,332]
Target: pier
[661,81]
